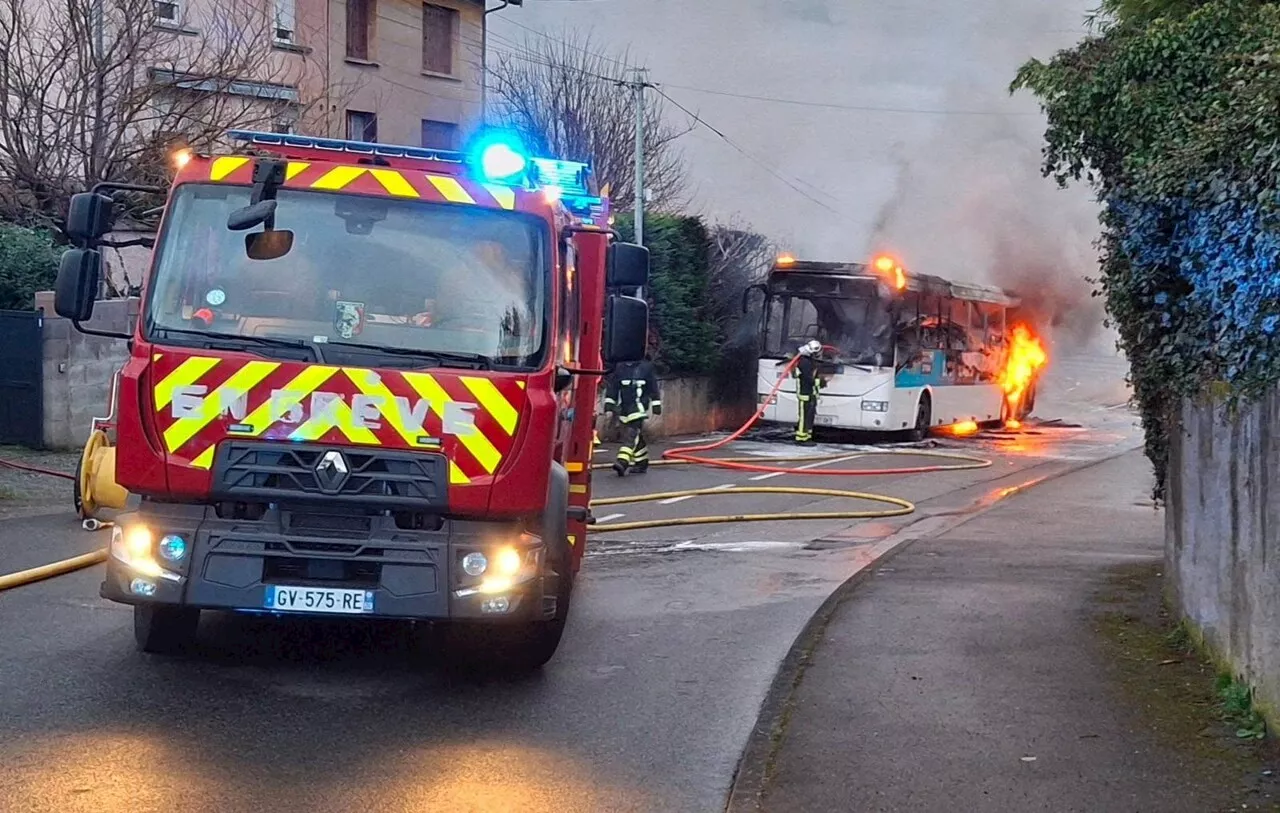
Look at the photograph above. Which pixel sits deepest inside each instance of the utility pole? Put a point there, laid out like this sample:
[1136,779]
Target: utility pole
[638,83]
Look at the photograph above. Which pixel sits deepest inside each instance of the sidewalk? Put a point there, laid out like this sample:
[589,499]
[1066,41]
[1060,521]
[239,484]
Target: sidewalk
[974,673]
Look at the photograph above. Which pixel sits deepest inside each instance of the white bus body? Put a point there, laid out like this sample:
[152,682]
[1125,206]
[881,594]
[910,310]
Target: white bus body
[905,359]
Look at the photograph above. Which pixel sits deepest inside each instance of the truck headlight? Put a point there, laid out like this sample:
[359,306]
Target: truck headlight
[875,406]
[475,563]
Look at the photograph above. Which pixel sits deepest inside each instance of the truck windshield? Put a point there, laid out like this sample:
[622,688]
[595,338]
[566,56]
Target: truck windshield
[860,329]
[364,275]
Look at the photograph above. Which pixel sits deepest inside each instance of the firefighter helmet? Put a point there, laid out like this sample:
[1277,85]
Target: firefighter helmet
[811,348]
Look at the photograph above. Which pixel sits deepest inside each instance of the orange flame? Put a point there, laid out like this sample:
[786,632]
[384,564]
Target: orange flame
[962,429]
[890,267]
[1026,357]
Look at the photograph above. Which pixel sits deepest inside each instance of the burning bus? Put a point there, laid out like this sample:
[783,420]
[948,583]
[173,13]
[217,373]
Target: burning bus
[903,352]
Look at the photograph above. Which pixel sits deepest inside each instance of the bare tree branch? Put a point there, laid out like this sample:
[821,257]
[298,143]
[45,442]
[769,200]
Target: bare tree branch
[567,99]
[71,116]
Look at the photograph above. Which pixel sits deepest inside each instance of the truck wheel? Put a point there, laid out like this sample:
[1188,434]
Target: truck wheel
[75,484]
[924,416]
[164,630]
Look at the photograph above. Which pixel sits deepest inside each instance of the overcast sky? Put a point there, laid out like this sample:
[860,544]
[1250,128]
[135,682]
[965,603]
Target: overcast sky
[922,151]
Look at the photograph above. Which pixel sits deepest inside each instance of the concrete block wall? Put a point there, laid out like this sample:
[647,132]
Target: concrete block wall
[1222,540]
[688,408]
[78,368]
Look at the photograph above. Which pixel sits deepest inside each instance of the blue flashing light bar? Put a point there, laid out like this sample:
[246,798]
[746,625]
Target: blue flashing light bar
[499,158]
[570,177]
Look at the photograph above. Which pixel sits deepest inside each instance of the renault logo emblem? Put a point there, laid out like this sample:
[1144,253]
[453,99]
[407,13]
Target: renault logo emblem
[332,470]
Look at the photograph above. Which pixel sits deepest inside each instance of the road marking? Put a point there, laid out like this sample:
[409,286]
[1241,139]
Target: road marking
[807,467]
[673,500]
[610,518]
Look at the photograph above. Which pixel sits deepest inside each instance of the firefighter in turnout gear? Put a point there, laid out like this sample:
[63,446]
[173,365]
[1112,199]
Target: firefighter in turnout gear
[808,387]
[632,394]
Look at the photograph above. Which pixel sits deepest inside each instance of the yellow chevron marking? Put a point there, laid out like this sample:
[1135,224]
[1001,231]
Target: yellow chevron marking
[450,188]
[187,373]
[479,446]
[574,468]
[370,383]
[222,167]
[577,489]
[520,384]
[394,183]
[239,384]
[338,178]
[494,402]
[295,169]
[291,394]
[155,356]
[456,477]
[205,459]
[573,539]
[504,195]
[337,415]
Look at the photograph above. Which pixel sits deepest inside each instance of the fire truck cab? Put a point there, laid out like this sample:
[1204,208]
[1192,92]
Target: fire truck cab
[362,383]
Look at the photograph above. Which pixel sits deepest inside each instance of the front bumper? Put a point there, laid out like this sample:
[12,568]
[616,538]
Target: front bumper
[230,564]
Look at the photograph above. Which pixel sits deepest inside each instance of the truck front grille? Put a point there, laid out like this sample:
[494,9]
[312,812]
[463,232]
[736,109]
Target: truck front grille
[379,478]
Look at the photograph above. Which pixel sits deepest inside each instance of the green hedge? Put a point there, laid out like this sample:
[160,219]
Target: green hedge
[28,263]
[682,338]
[1171,113]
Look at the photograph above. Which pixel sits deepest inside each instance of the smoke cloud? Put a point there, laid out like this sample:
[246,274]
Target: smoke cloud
[971,205]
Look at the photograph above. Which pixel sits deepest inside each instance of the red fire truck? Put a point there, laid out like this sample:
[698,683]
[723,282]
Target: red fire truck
[362,383]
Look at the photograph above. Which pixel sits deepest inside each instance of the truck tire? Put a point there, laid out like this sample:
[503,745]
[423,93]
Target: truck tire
[75,494]
[164,630]
[524,647]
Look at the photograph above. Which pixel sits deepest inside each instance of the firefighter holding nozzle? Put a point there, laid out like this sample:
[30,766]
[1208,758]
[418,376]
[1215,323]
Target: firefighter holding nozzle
[808,388]
[632,394]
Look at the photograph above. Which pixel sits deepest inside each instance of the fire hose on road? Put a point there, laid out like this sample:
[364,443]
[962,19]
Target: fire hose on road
[692,456]
[689,456]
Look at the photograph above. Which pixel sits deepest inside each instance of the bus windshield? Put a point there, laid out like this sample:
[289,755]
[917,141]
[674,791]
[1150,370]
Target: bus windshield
[364,274]
[860,329]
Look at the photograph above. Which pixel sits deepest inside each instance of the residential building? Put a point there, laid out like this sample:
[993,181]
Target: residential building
[392,71]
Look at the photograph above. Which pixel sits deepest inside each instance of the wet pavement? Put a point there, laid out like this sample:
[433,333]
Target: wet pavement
[675,638]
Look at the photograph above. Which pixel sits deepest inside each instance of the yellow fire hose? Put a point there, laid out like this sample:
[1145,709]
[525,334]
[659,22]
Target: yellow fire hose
[900,507]
[48,571]
[897,507]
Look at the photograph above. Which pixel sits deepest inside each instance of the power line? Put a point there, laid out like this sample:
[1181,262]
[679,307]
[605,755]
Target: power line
[837,106]
[754,159]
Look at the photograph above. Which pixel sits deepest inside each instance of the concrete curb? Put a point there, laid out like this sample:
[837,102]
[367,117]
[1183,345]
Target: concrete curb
[751,779]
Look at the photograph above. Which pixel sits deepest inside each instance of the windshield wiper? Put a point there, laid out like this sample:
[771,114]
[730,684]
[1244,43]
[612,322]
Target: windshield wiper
[234,339]
[442,358]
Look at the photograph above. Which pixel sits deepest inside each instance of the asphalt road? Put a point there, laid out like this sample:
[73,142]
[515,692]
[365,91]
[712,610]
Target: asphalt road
[675,636]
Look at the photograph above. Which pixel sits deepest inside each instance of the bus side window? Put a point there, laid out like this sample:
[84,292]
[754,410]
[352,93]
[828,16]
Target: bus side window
[907,331]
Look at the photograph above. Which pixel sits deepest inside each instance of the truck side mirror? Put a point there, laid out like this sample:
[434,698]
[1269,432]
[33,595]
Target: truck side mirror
[89,217]
[627,266]
[77,286]
[626,336]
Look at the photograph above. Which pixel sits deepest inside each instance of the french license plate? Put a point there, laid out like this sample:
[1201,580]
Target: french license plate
[318,600]
[826,420]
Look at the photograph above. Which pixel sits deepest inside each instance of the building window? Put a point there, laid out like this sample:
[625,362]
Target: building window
[362,126]
[167,11]
[439,30]
[284,126]
[284,27]
[439,135]
[360,14]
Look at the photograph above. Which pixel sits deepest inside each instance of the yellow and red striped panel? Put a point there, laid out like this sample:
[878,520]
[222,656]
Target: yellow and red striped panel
[370,180]
[201,400]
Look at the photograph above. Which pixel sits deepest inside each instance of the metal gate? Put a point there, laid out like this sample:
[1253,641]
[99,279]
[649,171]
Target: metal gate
[22,378]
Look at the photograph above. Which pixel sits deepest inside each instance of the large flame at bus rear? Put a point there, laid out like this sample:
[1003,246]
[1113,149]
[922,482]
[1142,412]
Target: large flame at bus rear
[1026,356]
